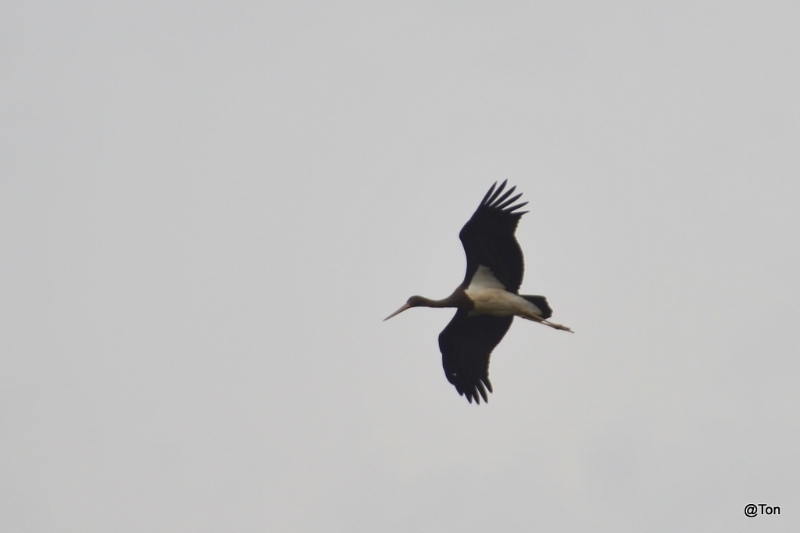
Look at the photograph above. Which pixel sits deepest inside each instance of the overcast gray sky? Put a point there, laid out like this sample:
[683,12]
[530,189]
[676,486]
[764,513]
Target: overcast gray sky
[207,208]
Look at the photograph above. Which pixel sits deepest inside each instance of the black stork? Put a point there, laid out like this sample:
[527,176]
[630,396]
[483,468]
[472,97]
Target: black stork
[487,300]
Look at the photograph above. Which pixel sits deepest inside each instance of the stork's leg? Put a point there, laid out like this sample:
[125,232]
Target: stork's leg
[541,320]
[556,326]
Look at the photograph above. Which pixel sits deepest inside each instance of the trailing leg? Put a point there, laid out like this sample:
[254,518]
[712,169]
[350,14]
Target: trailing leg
[536,318]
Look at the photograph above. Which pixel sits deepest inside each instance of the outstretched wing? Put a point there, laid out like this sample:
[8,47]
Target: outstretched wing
[466,344]
[488,238]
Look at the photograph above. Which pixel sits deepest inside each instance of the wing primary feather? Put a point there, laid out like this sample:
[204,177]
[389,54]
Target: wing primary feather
[497,193]
[482,390]
[488,194]
[513,208]
[509,202]
[502,199]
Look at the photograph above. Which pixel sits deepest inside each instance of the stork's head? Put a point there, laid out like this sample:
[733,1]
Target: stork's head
[414,301]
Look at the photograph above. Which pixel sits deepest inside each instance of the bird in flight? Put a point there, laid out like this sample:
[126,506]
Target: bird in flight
[487,300]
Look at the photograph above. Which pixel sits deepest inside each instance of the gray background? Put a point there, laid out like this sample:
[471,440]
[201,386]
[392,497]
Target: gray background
[207,208]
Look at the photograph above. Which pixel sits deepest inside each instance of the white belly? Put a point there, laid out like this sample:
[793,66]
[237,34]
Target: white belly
[500,302]
[491,298]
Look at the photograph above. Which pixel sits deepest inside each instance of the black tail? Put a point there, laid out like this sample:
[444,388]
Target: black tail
[541,303]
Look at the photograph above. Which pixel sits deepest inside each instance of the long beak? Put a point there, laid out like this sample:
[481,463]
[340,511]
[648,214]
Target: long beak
[405,306]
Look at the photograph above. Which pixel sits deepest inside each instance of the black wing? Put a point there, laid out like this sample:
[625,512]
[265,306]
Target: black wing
[488,238]
[466,344]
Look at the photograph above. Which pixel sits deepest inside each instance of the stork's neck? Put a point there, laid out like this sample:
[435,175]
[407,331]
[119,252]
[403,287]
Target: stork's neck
[458,299]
